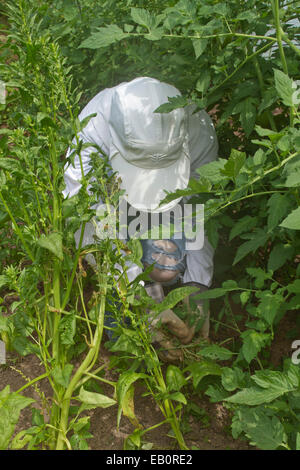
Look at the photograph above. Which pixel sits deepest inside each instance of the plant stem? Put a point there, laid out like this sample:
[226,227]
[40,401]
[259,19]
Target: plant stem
[279,32]
[262,89]
[83,368]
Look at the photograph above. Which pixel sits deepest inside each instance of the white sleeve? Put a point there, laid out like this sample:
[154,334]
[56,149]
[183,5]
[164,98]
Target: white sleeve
[95,132]
[203,143]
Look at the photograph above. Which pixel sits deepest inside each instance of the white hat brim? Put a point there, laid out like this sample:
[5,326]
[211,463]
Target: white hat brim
[145,188]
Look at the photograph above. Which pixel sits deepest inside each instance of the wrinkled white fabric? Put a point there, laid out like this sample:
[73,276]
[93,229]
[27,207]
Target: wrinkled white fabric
[203,148]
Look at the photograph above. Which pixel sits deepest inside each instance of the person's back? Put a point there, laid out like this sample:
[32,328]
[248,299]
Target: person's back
[153,153]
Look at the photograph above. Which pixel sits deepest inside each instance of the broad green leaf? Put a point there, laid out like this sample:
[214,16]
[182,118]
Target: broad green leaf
[199,46]
[254,396]
[125,381]
[174,378]
[155,34]
[173,102]
[253,342]
[128,407]
[234,164]
[144,18]
[264,132]
[293,179]
[178,396]
[285,88]
[269,385]
[95,400]
[173,298]
[260,276]
[279,255]
[199,370]
[215,351]
[216,393]
[281,381]
[248,116]
[80,125]
[53,243]
[294,287]
[257,239]
[213,293]
[203,81]
[212,171]
[244,297]
[67,329]
[232,378]
[104,37]
[11,404]
[20,440]
[62,376]
[127,343]
[265,432]
[243,225]
[269,306]
[278,207]
[292,221]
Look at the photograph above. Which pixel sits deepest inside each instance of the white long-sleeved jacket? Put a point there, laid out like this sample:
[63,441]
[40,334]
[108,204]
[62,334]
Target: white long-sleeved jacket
[203,148]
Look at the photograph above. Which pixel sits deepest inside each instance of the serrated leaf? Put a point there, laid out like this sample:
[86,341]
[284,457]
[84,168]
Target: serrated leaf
[260,276]
[292,221]
[11,404]
[269,306]
[214,351]
[234,164]
[199,370]
[104,37]
[280,253]
[204,81]
[253,342]
[265,432]
[143,18]
[173,298]
[174,102]
[242,225]
[258,239]
[216,393]
[212,171]
[199,46]
[285,87]
[269,385]
[67,329]
[53,243]
[277,208]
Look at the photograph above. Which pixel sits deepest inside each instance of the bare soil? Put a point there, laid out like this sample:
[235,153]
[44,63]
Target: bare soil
[106,436]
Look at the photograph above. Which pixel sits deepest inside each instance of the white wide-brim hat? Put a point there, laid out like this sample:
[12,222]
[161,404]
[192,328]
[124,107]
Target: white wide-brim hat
[148,150]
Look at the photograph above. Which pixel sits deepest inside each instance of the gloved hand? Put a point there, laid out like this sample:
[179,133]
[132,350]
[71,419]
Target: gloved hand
[169,319]
[198,309]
